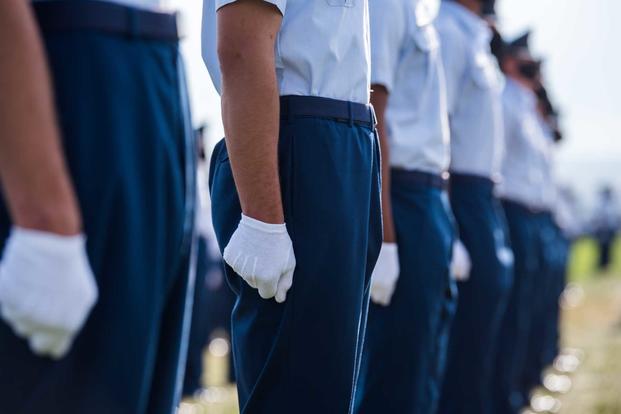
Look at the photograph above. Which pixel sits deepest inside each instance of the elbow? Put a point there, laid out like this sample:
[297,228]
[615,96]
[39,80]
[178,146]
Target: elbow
[234,58]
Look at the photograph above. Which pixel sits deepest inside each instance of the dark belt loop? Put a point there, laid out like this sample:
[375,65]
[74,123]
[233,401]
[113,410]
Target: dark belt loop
[373,118]
[350,114]
[132,21]
[288,111]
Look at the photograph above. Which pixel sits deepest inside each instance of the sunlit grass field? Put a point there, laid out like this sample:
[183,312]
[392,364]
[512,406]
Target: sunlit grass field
[591,324]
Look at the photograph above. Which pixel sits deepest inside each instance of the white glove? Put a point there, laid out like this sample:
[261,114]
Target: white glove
[385,274]
[460,264]
[262,254]
[47,289]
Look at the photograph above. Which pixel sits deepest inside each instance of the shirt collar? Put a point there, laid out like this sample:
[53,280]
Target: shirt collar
[468,20]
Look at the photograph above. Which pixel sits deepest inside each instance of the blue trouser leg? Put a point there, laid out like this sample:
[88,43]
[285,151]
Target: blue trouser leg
[560,276]
[300,356]
[557,268]
[482,300]
[125,138]
[405,345]
[515,326]
[199,331]
[543,303]
[213,303]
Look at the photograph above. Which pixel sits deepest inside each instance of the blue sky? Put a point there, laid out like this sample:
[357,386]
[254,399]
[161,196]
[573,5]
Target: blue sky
[583,67]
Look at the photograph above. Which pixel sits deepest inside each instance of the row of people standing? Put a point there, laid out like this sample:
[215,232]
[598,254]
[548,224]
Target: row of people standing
[443,107]
[98,179]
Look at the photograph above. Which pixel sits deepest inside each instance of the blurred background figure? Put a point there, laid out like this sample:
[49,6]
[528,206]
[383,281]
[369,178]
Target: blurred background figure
[605,224]
[526,191]
[213,300]
[552,253]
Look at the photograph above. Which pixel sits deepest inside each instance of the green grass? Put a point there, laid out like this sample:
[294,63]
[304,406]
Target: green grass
[584,257]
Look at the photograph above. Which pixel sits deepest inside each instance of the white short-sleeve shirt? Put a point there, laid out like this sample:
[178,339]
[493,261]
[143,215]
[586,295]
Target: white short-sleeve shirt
[405,58]
[474,86]
[526,166]
[144,4]
[322,48]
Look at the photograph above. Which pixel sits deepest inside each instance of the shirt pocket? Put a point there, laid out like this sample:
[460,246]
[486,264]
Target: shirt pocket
[485,72]
[340,3]
[425,64]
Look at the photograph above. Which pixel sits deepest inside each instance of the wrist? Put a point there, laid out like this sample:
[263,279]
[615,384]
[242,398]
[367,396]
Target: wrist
[61,220]
[275,216]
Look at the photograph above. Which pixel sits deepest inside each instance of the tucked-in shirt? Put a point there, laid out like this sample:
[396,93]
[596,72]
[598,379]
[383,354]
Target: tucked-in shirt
[322,48]
[474,87]
[526,164]
[405,58]
[144,4]
[548,158]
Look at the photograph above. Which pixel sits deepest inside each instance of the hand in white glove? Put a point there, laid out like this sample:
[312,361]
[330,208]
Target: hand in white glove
[460,264]
[47,289]
[262,254]
[385,275]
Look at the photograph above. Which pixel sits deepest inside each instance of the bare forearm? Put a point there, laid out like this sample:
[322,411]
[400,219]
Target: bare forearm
[251,106]
[34,177]
[379,99]
[250,110]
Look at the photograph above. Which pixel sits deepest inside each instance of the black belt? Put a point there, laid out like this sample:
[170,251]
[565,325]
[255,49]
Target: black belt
[102,16]
[471,179]
[313,106]
[522,206]
[418,178]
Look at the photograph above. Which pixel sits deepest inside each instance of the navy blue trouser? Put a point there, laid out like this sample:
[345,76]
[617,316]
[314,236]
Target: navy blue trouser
[405,345]
[515,326]
[543,336]
[483,298]
[126,137]
[553,338]
[302,356]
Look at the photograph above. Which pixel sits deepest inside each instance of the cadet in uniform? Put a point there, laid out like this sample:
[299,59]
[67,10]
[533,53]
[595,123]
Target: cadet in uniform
[124,125]
[475,112]
[548,288]
[525,195]
[302,171]
[606,225]
[412,300]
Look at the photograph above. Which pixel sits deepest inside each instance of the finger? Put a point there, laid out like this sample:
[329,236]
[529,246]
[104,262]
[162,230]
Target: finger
[61,346]
[267,287]
[41,343]
[20,325]
[284,284]
[378,295]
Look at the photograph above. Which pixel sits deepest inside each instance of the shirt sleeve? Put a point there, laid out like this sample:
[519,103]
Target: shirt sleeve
[453,49]
[388,30]
[281,4]
[209,43]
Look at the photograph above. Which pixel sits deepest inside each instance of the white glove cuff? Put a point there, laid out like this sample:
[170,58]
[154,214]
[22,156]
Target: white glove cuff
[44,243]
[390,248]
[48,247]
[261,226]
